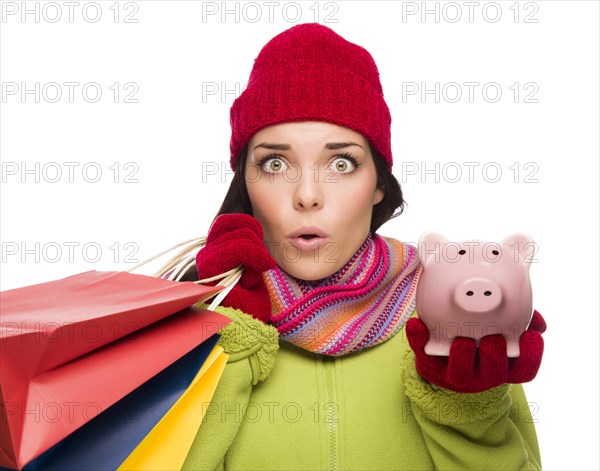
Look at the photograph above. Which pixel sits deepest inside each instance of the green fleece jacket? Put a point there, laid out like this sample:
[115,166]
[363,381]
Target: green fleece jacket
[278,407]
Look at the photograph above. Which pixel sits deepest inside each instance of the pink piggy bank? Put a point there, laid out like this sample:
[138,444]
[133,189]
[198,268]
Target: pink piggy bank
[474,288]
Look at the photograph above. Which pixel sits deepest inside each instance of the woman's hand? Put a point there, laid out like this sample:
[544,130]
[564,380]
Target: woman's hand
[236,239]
[469,369]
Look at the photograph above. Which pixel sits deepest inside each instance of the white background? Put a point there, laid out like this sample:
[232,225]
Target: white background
[168,56]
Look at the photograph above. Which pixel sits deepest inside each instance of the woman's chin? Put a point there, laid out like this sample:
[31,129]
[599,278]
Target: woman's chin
[309,270]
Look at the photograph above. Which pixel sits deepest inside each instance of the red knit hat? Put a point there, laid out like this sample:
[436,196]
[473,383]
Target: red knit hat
[310,73]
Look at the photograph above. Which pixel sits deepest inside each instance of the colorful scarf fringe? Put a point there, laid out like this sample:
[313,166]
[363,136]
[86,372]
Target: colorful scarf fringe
[363,304]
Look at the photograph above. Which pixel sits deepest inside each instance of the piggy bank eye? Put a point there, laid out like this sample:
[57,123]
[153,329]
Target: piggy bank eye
[462,252]
[495,252]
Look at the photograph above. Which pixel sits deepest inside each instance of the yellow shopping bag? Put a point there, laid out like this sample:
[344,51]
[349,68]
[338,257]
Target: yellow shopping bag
[168,443]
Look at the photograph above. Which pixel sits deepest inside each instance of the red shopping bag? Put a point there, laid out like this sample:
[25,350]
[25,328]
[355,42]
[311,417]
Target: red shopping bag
[71,348]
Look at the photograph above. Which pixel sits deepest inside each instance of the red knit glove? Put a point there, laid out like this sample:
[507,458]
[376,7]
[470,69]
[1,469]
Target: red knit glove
[469,369]
[236,239]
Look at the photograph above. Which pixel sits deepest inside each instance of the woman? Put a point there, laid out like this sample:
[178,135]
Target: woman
[320,373]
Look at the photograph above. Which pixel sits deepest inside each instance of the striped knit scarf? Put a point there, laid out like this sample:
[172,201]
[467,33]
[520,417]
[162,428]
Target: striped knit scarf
[363,304]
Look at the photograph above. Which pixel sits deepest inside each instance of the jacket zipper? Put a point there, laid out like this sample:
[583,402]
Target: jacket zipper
[332,408]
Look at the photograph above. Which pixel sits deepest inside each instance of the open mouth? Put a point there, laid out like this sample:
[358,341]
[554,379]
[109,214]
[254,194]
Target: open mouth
[308,233]
[309,242]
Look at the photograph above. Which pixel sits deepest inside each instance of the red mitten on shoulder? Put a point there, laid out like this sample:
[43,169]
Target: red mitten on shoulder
[236,239]
[471,369]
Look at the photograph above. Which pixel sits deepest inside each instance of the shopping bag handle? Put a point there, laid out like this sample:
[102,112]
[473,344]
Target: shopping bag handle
[174,268]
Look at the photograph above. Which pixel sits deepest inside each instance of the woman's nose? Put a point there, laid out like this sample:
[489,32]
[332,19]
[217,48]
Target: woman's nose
[308,193]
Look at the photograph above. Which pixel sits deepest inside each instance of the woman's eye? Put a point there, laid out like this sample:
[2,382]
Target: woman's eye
[343,165]
[273,165]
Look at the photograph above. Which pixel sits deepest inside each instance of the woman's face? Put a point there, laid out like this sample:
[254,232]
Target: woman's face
[311,179]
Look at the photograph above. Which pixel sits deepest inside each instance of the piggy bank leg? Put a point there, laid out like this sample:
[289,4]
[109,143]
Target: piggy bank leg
[512,346]
[438,348]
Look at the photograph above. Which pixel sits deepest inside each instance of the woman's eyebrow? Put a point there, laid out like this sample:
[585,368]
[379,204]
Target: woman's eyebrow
[273,146]
[340,145]
[329,146]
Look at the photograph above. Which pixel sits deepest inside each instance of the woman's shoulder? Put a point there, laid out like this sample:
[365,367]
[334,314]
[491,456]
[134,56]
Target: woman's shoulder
[248,338]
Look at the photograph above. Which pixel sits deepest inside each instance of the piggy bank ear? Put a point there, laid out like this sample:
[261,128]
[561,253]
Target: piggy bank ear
[430,244]
[521,244]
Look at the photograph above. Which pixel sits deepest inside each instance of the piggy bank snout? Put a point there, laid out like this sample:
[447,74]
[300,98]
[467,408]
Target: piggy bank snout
[478,295]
